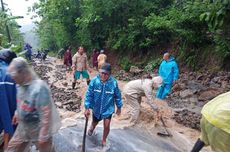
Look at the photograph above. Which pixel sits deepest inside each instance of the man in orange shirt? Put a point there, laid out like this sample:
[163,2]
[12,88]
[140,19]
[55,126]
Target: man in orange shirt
[101,59]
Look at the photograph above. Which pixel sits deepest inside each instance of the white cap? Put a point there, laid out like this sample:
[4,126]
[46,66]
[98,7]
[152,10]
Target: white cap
[157,81]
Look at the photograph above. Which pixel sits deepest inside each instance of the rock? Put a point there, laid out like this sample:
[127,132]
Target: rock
[188,118]
[216,79]
[200,77]
[193,100]
[177,87]
[210,93]
[135,70]
[59,104]
[206,81]
[224,84]
[175,94]
[195,86]
[186,93]
[214,85]
[65,84]
[68,102]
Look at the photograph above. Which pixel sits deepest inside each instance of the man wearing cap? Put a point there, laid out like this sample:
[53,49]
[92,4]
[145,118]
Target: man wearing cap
[102,94]
[169,72]
[7,96]
[134,90]
[101,58]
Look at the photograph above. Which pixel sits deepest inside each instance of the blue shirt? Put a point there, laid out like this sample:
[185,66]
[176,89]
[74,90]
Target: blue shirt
[102,96]
[7,99]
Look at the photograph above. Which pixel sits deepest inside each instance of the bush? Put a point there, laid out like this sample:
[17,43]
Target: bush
[125,63]
[152,65]
[16,48]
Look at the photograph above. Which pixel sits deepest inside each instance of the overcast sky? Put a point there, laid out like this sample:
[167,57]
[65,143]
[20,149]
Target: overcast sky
[19,8]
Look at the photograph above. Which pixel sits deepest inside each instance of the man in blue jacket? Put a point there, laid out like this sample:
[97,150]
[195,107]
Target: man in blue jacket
[169,72]
[7,96]
[102,94]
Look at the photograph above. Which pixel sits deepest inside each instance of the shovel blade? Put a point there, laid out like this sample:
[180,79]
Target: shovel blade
[162,134]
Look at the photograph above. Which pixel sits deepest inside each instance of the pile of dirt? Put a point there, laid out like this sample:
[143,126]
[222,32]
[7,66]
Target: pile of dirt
[192,91]
[42,71]
[127,76]
[66,99]
[188,118]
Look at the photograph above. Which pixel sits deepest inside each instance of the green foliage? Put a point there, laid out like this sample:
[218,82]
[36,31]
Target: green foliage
[125,63]
[217,16]
[152,65]
[9,20]
[17,48]
[57,28]
[136,26]
[52,53]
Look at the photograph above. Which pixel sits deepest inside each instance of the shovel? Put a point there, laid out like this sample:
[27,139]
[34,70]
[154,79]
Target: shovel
[163,134]
[84,135]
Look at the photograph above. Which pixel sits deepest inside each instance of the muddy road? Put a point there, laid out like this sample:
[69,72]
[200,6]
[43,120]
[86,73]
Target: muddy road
[139,138]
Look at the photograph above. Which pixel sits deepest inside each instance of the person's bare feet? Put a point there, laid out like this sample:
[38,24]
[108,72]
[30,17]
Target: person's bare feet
[103,143]
[90,131]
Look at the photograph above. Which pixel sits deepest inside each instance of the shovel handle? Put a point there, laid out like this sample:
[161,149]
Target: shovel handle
[84,135]
[165,126]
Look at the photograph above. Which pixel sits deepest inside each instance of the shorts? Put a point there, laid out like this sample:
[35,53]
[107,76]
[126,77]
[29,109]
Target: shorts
[95,119]
[78,74]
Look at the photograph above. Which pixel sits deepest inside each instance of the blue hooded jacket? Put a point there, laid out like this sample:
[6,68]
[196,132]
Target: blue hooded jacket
[169,71]
[101,97]
[7,99]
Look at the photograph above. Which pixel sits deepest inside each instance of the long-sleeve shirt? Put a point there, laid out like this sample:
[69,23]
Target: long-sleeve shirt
[101,97]
[7,99]
[80,61]
[141,87]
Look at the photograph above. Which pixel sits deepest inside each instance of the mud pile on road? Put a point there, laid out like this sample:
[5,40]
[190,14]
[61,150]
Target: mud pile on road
[66,99]
[63,97]
[188,118]
[127,76]
[192,91]
[42,71]
[59,70]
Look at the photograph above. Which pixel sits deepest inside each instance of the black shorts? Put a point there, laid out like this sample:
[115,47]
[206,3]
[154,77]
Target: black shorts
[95,119]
